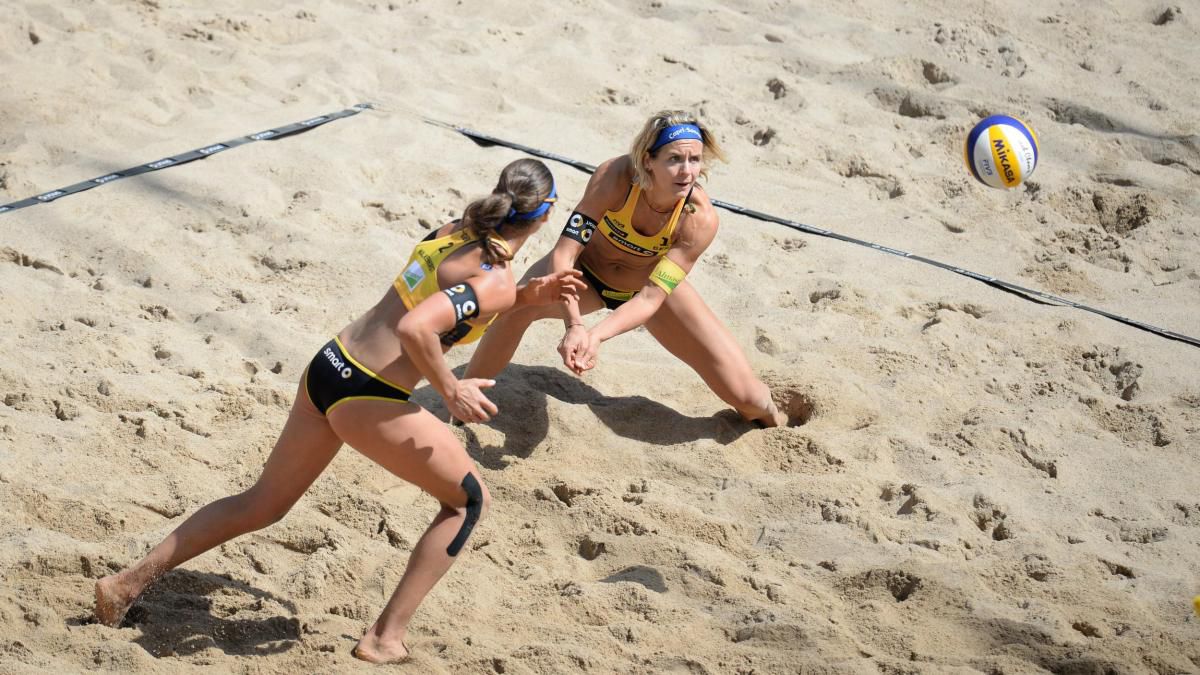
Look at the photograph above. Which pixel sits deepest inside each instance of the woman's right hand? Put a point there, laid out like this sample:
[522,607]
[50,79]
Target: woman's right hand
[573,346]
[554,287]
[468,403]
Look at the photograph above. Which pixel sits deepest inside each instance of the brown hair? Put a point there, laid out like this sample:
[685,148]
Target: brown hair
[523,186]
[649,133]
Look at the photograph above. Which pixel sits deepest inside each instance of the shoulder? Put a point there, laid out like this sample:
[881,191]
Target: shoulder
[494,287]
[617,168]
[610,183]
[699,214]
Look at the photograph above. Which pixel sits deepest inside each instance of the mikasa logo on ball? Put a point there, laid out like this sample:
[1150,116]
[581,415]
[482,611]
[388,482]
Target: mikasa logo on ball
[1005,165]
[1001,151]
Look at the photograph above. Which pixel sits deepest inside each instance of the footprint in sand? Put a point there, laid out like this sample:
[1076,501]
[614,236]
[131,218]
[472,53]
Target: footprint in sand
[763,136]
[899,585]
[1134,423]
[886,185]
[988,516]
[591,548]
[1112,371]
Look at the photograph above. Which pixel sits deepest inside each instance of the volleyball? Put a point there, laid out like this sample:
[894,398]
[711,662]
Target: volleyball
[1001,151]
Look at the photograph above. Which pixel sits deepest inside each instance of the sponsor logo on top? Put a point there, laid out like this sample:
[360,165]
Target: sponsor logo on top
[105,179]
[413,275]
[51,195]
[213,148]
[161,163]
[263,134]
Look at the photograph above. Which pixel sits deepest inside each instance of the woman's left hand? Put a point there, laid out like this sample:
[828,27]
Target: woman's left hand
[556,287]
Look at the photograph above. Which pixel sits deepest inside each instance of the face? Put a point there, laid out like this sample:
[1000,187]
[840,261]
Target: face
[676,167]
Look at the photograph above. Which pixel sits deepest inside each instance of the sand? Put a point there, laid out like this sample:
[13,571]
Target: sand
[984,484]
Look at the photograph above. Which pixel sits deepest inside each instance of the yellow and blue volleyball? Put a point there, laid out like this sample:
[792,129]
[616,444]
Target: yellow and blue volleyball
[1001,151]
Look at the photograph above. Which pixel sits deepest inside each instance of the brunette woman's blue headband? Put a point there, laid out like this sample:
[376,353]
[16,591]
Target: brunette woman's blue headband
[540,210]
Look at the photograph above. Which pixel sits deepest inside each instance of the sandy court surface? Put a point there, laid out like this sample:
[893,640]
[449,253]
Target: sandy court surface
[982,484]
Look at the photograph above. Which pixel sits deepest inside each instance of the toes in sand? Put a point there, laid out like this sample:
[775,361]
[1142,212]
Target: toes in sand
[111,603]
[374,651]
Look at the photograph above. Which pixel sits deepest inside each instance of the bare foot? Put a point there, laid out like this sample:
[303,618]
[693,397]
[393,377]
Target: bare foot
[773,417]
[374,649]
[112,601]
[776,417]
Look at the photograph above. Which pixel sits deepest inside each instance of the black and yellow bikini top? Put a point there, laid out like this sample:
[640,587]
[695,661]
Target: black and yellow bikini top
[617,228]
[419,280]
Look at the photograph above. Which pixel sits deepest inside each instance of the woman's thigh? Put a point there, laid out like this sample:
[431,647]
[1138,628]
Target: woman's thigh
[304,448]
[408,441]
[687,328]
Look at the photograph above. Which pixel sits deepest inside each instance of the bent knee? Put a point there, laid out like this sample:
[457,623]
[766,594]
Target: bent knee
[477,498]
[487,502]
[485,499]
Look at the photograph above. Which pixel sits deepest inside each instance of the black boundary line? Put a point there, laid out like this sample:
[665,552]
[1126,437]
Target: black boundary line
[185,157]
[1040,297]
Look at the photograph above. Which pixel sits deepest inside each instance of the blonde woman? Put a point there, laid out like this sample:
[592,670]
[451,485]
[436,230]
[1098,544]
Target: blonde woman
[641,226]
[356,389]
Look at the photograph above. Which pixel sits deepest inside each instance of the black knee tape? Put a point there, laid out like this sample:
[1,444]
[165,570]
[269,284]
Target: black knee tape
[474,509]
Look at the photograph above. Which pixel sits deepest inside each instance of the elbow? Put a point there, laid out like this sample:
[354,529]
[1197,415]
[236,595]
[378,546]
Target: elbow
[653,297]
[409,332]
[562,260]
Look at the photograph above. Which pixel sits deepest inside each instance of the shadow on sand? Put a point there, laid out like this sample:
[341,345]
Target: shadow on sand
[522,393]
[188,612]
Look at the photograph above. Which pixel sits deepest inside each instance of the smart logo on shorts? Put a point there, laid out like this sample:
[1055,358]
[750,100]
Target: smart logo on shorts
[338,363]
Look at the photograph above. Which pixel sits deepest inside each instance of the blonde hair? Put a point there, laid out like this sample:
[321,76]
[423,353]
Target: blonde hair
[649,133]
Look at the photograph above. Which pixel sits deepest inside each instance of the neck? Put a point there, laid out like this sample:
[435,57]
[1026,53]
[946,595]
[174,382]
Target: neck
[650,203]
[516,242]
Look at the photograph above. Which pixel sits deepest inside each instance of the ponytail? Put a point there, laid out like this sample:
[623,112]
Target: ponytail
[523,186]
[487,215]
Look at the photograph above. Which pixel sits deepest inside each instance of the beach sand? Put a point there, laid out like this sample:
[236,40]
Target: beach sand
[982,483]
